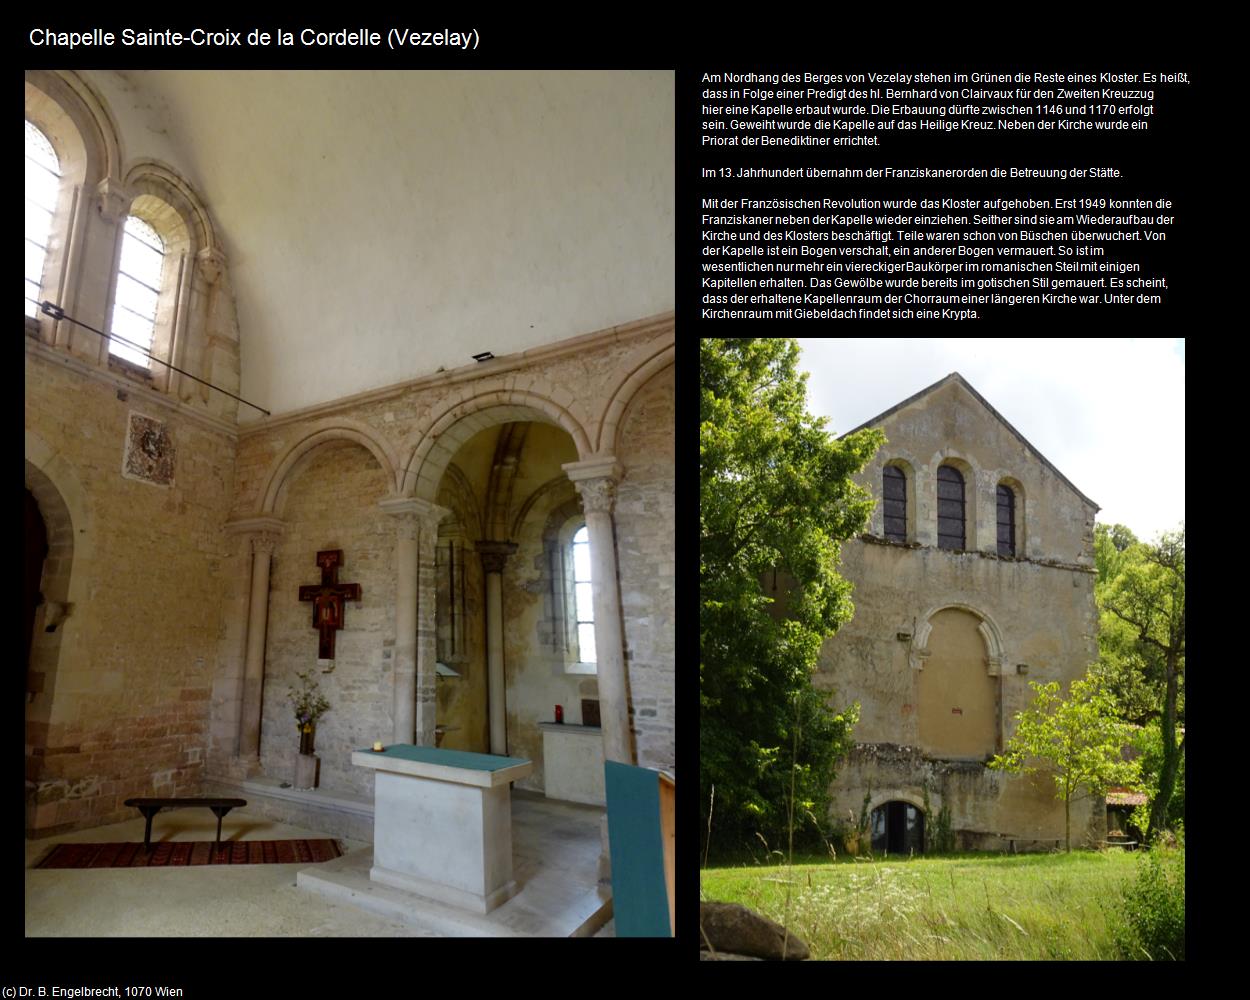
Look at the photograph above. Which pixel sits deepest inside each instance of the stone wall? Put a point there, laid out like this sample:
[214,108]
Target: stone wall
[432,439]
[121,688]
[923,689]
[645,542]
[332,503]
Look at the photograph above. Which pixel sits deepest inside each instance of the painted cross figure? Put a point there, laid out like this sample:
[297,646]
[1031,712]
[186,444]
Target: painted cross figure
[328,598]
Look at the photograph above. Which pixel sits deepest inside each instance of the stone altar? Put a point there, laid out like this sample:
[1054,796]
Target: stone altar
[442,823]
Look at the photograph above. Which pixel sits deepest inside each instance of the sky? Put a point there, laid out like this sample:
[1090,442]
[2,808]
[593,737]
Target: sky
[1109,414]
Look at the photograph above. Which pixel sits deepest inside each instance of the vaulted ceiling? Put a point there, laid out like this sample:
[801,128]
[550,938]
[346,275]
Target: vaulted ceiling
[383,225]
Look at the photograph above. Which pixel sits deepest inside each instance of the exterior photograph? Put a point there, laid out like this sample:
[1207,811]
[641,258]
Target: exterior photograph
[349,491]
[942,649]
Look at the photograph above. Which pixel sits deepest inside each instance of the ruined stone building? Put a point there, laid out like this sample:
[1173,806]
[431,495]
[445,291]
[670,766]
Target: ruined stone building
[975,576]
[453,294]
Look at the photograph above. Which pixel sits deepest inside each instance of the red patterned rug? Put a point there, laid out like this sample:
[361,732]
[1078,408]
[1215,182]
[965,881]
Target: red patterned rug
[179,853]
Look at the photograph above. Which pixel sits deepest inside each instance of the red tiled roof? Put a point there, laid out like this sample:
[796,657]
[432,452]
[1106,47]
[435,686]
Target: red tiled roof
[1123,797]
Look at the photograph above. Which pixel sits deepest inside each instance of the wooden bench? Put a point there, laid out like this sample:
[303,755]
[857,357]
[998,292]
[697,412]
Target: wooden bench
[150,807]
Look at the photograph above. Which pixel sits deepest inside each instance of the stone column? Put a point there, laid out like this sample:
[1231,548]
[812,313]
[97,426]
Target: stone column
[494,555]
[595,480]
[264,534]
[416,639]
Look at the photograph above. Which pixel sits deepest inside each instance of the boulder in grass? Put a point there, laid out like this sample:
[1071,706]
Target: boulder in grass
[735,930]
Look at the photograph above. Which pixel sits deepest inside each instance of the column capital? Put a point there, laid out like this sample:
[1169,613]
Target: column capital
[595,467]
[114,200]
[412,506]
[211,263]
[263,532]
[494,554]
[256,525]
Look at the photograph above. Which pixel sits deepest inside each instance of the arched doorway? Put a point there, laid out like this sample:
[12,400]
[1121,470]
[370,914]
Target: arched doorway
[35,538]
[897,828]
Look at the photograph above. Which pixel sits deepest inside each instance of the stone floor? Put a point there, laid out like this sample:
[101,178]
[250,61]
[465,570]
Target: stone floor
[556,846]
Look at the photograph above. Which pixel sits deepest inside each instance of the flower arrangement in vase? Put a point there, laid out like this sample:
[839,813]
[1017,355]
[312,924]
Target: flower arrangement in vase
[310,705]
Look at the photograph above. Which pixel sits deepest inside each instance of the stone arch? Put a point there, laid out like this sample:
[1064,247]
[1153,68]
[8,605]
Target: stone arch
[78,125]
[896,795]
[62,505]
[335,429]
[640,367]
[958,698]
[905,461]
[971,473]
[154,179]
[991,634]
[460,421]
[1017,488]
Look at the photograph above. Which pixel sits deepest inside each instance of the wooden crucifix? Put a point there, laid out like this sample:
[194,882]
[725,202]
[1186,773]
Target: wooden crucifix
[328,600]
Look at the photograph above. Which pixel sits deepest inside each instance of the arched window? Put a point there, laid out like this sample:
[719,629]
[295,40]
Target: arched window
[951,519]
[894,498]
[138,292]
[583,596]
[43,184]
[1006,521]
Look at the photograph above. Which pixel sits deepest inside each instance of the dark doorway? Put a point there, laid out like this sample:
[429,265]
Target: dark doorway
[36,550]
[897,828]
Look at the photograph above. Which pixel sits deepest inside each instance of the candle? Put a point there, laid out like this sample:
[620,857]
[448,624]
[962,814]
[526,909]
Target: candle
[377,744]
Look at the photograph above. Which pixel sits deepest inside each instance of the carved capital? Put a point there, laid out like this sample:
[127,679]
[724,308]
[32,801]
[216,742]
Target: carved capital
[211,263]
[595,480]
[495,555]
[113,199]
[264,542]
[406,525]
[598,495]
[423,510]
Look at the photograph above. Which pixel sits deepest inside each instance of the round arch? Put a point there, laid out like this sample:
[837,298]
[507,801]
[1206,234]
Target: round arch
[460,421]
[895,795]
[157,180]
[649,360]
[338,429]
[991,634]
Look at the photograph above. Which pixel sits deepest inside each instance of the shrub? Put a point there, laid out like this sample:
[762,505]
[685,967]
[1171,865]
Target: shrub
[1150,923]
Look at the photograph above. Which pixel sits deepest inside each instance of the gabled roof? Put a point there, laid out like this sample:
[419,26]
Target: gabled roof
[956,377]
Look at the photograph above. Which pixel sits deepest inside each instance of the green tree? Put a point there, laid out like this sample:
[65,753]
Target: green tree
[775,497]
[1079,740]
[1147,595]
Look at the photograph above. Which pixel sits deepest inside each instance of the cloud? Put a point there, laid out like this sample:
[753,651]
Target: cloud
[1110,414]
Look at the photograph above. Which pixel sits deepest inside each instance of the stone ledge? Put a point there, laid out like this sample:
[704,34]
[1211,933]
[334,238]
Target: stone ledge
[339,814]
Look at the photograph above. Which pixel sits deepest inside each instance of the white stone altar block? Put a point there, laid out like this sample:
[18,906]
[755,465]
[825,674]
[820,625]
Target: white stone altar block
[443,832]
[573,763]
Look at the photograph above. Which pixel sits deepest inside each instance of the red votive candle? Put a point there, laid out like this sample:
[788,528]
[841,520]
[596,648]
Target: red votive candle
[559,713]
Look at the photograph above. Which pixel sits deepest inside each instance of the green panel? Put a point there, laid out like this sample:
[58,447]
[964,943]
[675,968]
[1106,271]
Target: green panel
[635,839]
[449,758]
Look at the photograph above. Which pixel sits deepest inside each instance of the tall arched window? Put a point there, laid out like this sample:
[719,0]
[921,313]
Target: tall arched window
[894,499]
[1006,521]
[583,596]
[138,292]
[951,520]
[43,184]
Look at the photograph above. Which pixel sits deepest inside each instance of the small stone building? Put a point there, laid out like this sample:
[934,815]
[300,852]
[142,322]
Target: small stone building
[975,577]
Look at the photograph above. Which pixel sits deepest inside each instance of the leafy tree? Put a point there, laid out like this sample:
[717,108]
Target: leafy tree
[1080,740]
[775,497]
[1147,595]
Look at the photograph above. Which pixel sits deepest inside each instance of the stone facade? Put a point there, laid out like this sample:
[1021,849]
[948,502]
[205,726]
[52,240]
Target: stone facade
[944,642]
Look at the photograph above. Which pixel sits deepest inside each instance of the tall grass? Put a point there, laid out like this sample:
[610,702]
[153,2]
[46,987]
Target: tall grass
[966,907]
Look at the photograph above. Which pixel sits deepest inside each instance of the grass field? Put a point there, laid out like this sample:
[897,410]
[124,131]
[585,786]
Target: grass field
[1037,906]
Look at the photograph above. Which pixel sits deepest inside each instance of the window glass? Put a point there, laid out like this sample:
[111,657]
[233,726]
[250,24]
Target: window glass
[950,491]
[894,498]
[1006,521]
[43,182]
[583,596]
[138,292]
